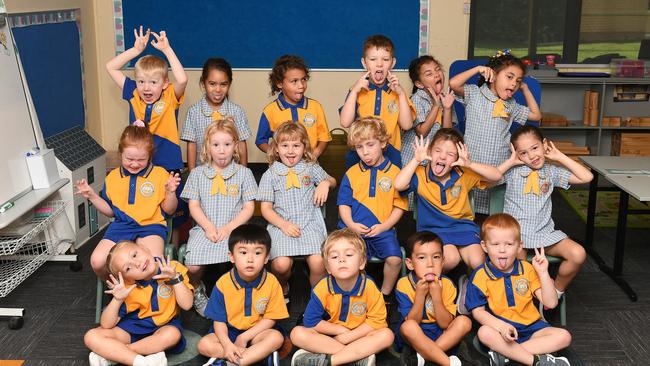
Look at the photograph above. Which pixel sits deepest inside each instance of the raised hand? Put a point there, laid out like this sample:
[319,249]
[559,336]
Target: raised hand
[161,41]
[173,181]
[84,189]
[393,83]
[487,73]
[141,39]
[421,147]
[514,157]
[362,83]
[463,156]
[553,152]
[540,262]
[448,99]
[117,288]
[167,270]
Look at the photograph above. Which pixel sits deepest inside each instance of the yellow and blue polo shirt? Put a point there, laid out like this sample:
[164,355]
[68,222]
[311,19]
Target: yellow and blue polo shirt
[151,304]
[383,103]
[405,295]
[508,296]
[135,200]
[242,304]
[445,208]
[370,192]
[308,112]
[364,303]
[161,117]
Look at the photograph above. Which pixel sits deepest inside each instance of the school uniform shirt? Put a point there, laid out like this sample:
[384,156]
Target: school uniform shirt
[405,295]
[161,117]
[200,115]
[364,303]
[220,207]
[383,103]
[531,211]
[445,208]
[152,304]
[242,304]
[135,200]
[370,192]
[296,205]
[508,296]
[308,112]
[487,137]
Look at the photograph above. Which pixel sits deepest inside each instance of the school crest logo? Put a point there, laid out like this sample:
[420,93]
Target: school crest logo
[306,180]
[428,305]
[260,305]
[232,190]
[545,187]
[392,107]
[164,291]
[159,107]
[455,191]
[358,308]
[147,189]
[309,120]
[385,184]
[521,286]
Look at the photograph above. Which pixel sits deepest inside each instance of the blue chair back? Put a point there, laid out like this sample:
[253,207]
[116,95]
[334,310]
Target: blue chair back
[459,66]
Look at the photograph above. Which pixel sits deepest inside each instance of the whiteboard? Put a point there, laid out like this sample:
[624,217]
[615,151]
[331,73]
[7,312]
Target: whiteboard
[17,135]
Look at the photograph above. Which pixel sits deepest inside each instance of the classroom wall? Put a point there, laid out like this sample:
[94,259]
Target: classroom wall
[107,112]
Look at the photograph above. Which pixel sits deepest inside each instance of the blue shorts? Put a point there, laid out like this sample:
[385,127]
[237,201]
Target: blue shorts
[524,332]
[432,330]
[176,322]
[233,332]
[459,238]
[383,246]
[118,231]
[394,155]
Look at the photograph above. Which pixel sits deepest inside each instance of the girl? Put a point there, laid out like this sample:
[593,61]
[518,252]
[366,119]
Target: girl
[216,79]
[221,196]
[530,182]
[137,194]
[143,316]
[291,193]
[491,110]
[433,107]
[289,78]
[443,187]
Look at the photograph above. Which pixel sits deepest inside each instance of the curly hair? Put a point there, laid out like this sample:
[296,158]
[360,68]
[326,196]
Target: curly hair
[416,64]
[281,66]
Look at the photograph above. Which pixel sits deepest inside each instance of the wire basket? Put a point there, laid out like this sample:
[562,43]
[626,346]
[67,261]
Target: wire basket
[15,268]
[11,243]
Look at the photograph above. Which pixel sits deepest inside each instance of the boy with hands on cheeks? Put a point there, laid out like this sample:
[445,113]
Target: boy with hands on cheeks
[500,296]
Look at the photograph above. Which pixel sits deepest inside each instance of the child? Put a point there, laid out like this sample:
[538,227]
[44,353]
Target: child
[530,182]
[378,93]
[221,196]
[426,302]
[245,303]
[433,107]
[500,296]
[289,78]
[137,194]
[490,111]
[143,316]
[291,193]
[154,102]
[368,202]
[443,187]
[216,80]
[345,319]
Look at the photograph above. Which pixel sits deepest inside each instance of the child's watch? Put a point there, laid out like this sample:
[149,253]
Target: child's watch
[173,281]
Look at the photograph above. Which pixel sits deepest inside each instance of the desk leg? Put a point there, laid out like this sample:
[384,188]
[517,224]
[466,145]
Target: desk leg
[591,211]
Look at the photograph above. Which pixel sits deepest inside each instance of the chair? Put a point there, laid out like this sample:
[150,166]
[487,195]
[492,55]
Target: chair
[459,66]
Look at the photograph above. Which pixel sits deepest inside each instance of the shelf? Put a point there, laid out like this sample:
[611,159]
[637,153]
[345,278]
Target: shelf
[592,81]
[12,239]
[573,125]
[625,128]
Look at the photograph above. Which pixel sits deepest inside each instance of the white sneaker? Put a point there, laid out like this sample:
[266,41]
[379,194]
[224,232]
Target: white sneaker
[463,281]
[454,361]
[97,360]
[157,359]
[200,299]
[420,360]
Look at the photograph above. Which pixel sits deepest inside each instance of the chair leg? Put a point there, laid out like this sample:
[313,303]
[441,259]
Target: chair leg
[563,310]
[404,270]
[181,253]
[98,301]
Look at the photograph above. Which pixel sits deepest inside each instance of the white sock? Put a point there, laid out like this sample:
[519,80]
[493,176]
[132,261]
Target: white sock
[559,293]
[139,360]
[454,361]
[158,359]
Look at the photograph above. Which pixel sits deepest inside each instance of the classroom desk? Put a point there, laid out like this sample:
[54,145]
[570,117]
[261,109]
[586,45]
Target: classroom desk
[630,176]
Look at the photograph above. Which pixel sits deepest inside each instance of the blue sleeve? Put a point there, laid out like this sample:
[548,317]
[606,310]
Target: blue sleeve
[474,296]
[313,312]
[128,88]
[216,309]
[404,303]
[345,192]
[264,132]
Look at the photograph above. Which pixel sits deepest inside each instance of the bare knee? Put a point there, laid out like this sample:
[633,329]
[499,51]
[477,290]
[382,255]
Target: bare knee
[209,346]
[281,265]
[300,335]
[563,337]
[275,338]
[487,334]
[462,323]
[315,263]
[169,335]
[91,337]
[383,337]
[393,261]
[577,254]
[408,328]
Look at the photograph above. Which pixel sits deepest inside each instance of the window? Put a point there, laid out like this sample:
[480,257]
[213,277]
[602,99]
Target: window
[584,31]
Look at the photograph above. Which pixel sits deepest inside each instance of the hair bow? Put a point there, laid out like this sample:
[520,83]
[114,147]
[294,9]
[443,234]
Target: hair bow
[503,52]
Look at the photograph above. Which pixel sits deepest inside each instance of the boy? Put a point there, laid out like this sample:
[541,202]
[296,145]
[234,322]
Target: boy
[245,303]
[500,296]
[345,319]
[426,302]
[154,102]
[378,93]
[143,316]
[368,202]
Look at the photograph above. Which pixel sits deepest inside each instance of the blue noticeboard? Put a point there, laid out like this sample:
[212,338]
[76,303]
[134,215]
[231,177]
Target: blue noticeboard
[50,55]
[253,34]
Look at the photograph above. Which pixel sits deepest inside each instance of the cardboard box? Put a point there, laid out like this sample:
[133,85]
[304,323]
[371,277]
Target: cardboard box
[42,168]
